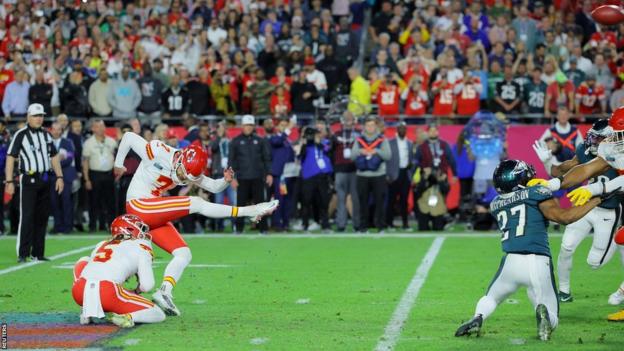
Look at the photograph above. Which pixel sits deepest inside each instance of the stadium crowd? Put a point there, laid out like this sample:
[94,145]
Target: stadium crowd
[150,64]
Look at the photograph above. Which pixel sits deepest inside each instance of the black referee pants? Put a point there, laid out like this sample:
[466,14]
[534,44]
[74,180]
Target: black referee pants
[399,188]
[34,212]
[101,200]
[250,191]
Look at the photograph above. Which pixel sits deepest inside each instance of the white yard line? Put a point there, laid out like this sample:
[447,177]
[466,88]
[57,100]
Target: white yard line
[52,258]
[394,327]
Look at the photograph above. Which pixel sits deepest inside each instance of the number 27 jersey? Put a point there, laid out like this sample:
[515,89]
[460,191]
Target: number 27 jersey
[521,222]
[154,176]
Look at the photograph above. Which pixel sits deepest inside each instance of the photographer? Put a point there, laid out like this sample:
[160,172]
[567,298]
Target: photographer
[370,153]
[315,172]
[431,193]
[435,153]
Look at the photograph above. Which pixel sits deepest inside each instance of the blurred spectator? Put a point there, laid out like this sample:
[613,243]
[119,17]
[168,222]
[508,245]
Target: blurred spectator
[435,153]
[79,194]
[399,172]
[260,94]
[316,170]
[617,99]
[175,100]
[431,193]
[526,28]
[565,134]
[6,75]
[149,110]
[359,93]
[465,172]
[269,56]
[41,92]
[280,102]
[315,76]
[98,95]
[603,73]
[250,157]
[559,93]
[573,73]
[468,92]
[124,95]
[98,155]
[508,93]
[387,93]
[15,100]
[199,93]
[334,71]
[342,143]
[160,75]
[219,150]
[344,42]
[370,153]
[416,98]
[221,95]
[303,94]
[591,97]
[74,97]
[444,101]
[535,92]
[381,21]
[62,205]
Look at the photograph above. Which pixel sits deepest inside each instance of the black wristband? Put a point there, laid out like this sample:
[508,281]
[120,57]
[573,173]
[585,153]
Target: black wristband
[8,181]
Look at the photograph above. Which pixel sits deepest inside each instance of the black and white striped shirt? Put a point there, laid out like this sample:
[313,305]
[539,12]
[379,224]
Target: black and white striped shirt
[35,148]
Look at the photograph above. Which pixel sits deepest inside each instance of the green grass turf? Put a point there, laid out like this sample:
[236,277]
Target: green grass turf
[353,286]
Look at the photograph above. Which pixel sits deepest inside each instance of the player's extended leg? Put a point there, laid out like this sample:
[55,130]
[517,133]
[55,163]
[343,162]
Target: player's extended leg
[572,236]
[169,239]
[503,284]
[542,292]
[605,223]
[127,307]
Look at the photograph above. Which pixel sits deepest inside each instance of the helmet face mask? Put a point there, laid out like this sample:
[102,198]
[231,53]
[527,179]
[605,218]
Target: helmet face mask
[191,162]
[599,132]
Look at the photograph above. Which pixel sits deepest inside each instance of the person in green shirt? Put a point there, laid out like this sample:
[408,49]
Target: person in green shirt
[495,76]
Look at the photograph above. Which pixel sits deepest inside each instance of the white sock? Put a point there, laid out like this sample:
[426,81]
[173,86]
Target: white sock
[148,315]
[181,258]
[564,267]
[212,210]
[485,306]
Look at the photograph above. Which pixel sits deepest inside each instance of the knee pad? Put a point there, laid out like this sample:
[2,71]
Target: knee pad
[183,253]
[594,261]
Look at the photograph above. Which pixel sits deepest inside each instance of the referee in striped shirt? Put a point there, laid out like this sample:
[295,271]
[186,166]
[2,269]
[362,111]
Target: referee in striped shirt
[37,156]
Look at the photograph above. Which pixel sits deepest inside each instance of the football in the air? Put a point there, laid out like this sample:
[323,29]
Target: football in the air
[608,15]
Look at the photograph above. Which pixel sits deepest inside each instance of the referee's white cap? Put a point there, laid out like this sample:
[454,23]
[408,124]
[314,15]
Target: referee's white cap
[36,109]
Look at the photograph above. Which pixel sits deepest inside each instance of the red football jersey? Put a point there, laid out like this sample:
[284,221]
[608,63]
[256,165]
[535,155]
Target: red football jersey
[415,103]
[388,99]
[590,98]
[443,101]
[469,98]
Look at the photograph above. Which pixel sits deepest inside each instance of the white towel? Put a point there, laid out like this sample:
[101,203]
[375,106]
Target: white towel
[91,303]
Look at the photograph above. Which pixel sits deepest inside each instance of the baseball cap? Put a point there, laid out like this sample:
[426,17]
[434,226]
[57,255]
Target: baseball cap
[248,119]
[309,61]
[36,109]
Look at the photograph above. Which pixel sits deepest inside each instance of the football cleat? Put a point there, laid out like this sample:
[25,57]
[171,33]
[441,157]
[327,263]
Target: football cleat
[263,209]
[165,302]
[84,320]
[616,298]
[470,327]
[616,317]
[544,328]
[565,297]
[122,320]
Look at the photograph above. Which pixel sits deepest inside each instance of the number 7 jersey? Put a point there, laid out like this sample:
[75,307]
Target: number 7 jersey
[521,222]
[155,175]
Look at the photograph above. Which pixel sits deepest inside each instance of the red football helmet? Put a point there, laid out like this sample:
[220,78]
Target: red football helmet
[192,160]
[616,122]
[129,227]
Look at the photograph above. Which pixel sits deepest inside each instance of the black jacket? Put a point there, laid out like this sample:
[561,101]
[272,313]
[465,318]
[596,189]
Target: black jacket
[78,140]
[151,93]
[75,100]
[250,157]
[300,104]
[200,97]
[176,104]
[41,93]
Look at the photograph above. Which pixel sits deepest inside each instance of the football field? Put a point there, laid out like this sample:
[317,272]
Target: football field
[313,292]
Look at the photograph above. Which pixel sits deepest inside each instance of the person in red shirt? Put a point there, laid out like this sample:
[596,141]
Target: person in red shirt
[416,98]
[81,41]
[443,95]
[281,79]
[6,75]
[388,94]
[468,92]
[591,97]
[280,102]
[559,92]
